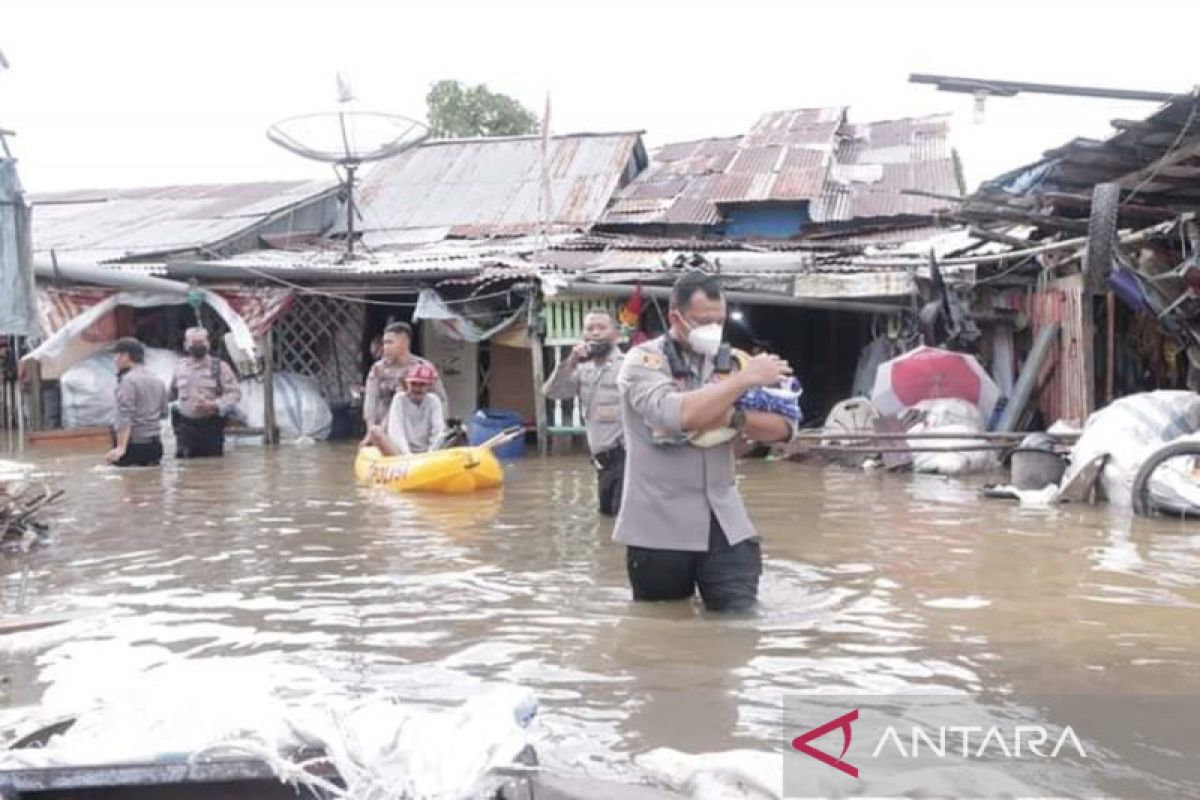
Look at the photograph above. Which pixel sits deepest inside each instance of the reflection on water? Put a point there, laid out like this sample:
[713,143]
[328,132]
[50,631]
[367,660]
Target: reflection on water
[873,583]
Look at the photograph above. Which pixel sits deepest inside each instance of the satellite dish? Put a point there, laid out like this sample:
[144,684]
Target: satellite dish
[347,137]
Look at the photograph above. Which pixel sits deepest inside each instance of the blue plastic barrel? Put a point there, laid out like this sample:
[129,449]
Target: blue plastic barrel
[487,422]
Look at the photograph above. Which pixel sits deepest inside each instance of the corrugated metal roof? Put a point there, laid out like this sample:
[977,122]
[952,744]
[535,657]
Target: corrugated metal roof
[110,224]
[493,186]
[846,171]
[451,257]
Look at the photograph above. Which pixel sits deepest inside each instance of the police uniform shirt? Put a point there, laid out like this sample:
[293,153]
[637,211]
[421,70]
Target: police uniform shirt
[385,380]
[594,382]
[196,379]
[672,487]
[141,404]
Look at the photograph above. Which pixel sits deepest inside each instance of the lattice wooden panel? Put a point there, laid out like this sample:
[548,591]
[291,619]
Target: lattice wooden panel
[322,337]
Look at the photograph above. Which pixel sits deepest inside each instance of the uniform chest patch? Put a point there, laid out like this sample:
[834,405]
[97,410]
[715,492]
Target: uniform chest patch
[651,360]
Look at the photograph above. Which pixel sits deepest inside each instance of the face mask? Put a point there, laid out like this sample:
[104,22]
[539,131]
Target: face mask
[122,370]
[705,339]
[197,351]
[599,349]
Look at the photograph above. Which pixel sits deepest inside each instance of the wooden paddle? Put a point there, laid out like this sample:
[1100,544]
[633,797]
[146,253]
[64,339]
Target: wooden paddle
[503,437]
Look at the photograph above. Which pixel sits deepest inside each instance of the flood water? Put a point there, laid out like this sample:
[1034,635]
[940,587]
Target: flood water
[873,583]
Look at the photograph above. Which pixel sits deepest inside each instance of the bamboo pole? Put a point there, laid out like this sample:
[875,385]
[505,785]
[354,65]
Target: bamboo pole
[270,432]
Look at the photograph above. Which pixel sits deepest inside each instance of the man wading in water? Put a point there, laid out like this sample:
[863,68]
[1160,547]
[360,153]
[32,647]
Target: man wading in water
[682,518]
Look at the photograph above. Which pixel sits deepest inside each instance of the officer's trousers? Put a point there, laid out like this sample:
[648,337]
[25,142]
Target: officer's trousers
[610,477]
[198,438]
[727,575]
[142,454]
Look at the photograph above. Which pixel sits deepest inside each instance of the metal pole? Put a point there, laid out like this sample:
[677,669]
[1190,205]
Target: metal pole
[950,83]
[1046,338]
[18,399]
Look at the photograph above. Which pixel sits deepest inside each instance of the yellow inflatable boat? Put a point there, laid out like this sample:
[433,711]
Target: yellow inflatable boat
[457,470]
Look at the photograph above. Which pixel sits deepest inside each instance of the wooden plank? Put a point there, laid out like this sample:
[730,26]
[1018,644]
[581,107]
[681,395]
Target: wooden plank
[72,438]
[537,356]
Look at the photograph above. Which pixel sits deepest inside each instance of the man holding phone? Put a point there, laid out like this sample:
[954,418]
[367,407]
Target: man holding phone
[589,374]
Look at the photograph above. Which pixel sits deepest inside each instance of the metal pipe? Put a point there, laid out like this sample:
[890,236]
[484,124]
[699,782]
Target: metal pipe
[974,448]
[51,268]
[1028,379]
[752,298]
[839,436]
[951,83]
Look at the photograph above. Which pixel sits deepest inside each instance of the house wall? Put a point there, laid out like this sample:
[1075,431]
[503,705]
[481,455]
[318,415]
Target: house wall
[510,380]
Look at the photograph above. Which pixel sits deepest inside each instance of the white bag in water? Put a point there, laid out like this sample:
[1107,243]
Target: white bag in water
[261,708]
[951,415]
[300,410]
[1128,431]
[88,389]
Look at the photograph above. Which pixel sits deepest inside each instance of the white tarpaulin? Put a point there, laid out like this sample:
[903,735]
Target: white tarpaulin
[18,312]
[82,337]
[1128,431]
[431,307]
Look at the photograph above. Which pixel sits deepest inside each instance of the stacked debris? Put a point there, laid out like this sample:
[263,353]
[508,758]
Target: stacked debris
[22,503]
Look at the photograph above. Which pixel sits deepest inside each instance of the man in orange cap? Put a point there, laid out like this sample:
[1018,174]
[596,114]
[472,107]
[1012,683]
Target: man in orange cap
[415,421]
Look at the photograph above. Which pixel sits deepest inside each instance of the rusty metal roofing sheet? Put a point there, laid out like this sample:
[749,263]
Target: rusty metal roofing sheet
[798,155]
[757,159]
[798,184]
[493,185]
[143,222]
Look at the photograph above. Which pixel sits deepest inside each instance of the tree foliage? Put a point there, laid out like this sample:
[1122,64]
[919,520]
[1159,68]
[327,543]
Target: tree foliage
[456,111]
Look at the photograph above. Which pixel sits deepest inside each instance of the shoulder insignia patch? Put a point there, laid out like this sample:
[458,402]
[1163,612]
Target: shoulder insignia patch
[651,359]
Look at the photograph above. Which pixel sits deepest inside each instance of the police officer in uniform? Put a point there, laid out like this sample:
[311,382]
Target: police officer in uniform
[207,391]
[682,519]
[589,373]
[386,376]
[141,406]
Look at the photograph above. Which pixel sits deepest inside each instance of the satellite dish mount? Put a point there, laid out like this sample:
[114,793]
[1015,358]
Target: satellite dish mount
[348,137]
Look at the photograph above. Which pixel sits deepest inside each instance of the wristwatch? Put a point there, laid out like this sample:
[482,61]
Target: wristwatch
[737,420]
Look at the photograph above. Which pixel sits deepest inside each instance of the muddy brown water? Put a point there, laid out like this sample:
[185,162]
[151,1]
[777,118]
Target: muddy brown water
[873,583]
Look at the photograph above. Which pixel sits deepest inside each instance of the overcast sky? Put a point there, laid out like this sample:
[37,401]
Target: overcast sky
[180,91]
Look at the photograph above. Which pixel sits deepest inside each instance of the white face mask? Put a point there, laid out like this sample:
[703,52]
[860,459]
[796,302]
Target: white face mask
[706,339]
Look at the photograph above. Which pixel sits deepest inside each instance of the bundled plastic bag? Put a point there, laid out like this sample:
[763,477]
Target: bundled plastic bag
[951,415]
[1128,431]
[300,410]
